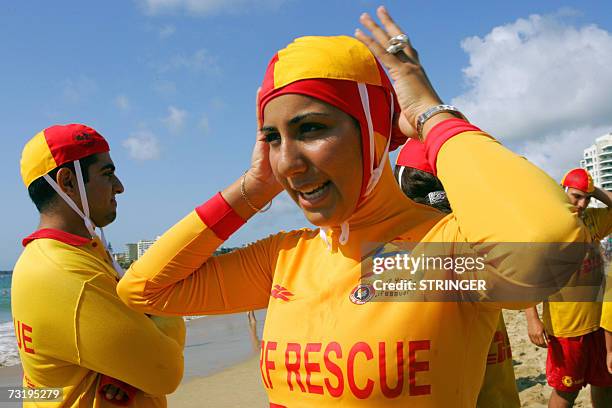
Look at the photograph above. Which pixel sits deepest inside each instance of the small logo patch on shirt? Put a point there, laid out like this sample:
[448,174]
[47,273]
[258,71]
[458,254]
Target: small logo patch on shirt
[279,292]
[362,294]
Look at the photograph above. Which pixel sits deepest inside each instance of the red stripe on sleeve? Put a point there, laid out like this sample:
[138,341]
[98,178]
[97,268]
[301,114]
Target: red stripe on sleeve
[220,217]
[440,133]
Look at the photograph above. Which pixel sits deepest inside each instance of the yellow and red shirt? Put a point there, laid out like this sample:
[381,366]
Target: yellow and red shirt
[321,345]
[72,329]
[571,319]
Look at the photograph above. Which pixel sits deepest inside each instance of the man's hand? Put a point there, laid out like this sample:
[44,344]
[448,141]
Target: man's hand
[537,334]
[535,328]
[603,195]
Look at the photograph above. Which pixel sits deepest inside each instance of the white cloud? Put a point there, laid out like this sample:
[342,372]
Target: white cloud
[200,60]
[142,145]
[558,153]
[123,103]
[206,7]
[538,76]
[167,31]
[76,90]
[176,119]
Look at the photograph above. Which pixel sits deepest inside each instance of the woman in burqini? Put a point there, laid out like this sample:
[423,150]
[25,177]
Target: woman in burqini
[328,118]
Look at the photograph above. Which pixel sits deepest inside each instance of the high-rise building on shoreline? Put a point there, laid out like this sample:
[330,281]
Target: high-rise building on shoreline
[597,160]
[131,253]
[143,245]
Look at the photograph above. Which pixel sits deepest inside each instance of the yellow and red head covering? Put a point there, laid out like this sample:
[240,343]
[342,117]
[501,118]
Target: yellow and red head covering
[579,179]
[57,145]
[342,72]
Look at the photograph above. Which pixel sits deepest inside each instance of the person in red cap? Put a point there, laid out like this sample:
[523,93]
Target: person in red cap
[417,180]
[571,330]
[73,332]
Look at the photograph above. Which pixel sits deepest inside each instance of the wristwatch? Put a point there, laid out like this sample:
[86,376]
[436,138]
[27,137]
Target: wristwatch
[425,116]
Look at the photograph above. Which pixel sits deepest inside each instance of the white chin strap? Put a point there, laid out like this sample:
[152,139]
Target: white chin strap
[400,174]
[85,216]
[375,172]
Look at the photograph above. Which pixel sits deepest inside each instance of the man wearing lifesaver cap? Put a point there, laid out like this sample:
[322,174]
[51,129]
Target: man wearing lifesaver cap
[571,330]
[73,332]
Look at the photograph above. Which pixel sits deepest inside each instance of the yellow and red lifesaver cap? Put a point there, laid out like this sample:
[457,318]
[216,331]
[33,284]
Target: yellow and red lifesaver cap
[412,154]
[330,69]
[58,145]
[579,179]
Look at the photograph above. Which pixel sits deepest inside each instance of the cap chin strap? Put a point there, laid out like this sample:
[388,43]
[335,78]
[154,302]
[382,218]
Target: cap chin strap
[323,235]
[91,228]
[400,174]
[375,172]
[344,234]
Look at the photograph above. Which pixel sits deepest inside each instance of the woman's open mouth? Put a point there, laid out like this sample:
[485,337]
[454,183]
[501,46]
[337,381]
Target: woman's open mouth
[312,197]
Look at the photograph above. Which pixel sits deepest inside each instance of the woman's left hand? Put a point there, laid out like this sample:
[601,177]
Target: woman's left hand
[414,91]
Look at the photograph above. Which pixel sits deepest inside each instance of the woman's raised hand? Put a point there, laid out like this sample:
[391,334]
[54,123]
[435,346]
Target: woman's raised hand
[414,91]
[260,178]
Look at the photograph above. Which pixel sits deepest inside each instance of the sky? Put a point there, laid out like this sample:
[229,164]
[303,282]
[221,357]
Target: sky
[171,85]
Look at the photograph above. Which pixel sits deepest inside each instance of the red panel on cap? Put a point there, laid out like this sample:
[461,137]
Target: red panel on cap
[578,179]
[413,155]
[344,95]
[73,142]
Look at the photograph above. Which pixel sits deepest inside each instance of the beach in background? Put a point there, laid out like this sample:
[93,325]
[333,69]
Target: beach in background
[8,344]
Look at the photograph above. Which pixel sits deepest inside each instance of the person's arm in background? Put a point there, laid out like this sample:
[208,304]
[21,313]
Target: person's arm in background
[599,220]
[603,195]
[535,328]
[608,350]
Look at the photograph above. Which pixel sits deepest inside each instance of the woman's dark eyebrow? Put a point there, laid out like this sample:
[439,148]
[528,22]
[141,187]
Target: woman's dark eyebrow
[306,115]
[295,119]
[108,166]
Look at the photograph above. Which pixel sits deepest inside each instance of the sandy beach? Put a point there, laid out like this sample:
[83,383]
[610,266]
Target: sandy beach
[222,365]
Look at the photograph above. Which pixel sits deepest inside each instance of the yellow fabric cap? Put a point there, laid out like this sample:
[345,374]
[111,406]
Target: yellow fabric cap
[36,159]
[313,57]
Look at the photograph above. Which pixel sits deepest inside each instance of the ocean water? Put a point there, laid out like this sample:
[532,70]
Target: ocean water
[8,344]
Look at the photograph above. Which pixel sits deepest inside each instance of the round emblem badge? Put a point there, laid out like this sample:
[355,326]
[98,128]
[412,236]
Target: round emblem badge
[567,381]
[362,294]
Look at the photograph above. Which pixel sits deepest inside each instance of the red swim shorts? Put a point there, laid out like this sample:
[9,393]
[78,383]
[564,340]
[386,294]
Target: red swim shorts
[574,362]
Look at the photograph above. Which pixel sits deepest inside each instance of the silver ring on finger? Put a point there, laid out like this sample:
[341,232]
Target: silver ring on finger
[395,48]
[397,43]
[398,39]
